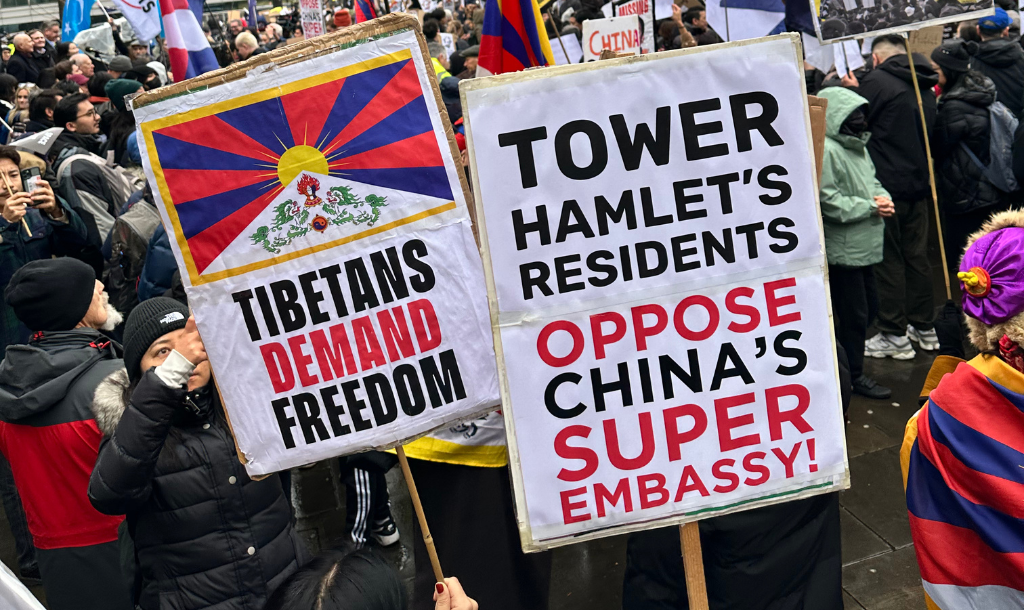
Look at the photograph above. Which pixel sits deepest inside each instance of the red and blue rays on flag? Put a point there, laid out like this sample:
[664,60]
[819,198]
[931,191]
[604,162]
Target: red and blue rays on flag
[965,488]
[514,37]
[373,127]
[364,11]
[187,46]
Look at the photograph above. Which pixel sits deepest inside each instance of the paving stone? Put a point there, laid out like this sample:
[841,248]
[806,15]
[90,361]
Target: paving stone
[588,576]
[849,603]
[886,582]
[876,496]
[859,542]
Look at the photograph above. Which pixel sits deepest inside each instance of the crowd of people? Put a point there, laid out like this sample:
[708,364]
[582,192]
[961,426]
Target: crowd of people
[118,473]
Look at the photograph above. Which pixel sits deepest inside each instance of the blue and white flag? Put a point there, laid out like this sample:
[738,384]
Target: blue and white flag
[76,18]
[743,19]
[144,15]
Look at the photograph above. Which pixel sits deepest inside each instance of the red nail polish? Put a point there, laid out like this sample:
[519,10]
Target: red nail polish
[440,588]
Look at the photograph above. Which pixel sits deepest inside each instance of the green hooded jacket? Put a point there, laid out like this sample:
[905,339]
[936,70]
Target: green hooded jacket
[853,231]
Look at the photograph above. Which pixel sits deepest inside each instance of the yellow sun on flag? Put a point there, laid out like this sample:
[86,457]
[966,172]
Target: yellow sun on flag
[298,159]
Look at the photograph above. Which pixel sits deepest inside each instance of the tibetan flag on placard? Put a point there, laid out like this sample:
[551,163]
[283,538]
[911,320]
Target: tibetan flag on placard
[348,152]
[963,460]
[187,45]
[514,38]
[364,11]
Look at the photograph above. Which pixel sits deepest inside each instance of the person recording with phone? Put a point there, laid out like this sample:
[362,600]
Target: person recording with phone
[56,230]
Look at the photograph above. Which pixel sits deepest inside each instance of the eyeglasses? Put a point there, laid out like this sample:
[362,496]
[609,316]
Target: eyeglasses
[91,112]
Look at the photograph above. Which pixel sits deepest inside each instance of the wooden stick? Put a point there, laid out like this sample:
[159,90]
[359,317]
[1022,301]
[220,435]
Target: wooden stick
[10,193]
[418,507]
[693,564]
[931,170]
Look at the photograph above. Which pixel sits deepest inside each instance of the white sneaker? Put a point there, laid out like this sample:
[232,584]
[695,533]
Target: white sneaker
[925,339]
[884,345]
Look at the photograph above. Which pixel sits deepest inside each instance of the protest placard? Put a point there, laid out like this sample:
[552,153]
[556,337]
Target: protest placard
[616,34]
[319,222]
[448,40]
[848,19]
[566,50]
[655,264]
[644,9]
[311,14]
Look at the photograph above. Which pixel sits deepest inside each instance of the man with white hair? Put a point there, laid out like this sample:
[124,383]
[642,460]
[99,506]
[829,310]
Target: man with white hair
[84,63]
[23,65]
[50,436]
[246,45]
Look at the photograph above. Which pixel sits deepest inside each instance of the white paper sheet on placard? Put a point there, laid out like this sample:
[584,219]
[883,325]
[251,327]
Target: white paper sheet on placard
[448,40]
[847,57]
[567,44]
[618,34]
[341,310]
[636,291]
[817,54]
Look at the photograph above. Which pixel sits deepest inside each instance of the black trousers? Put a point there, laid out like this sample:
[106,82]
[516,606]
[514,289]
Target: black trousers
[16,518]
[470,514]
[781,557]
[904,275]
[85,578]
[854,306]
[366,498]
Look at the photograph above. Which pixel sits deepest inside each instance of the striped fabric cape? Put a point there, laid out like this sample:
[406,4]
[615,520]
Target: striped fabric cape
[963,464]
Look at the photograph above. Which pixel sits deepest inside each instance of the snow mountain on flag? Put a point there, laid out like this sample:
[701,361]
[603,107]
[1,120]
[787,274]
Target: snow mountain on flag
[285,172]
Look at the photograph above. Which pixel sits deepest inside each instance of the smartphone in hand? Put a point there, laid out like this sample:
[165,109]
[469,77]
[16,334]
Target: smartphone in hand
[30,179]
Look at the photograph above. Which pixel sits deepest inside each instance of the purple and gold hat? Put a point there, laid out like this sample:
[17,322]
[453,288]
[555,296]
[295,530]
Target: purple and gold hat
[992,276]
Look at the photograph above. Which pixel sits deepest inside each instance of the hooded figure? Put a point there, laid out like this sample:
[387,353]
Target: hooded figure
[48,433]
[962,451]
[205,534]
[853,203]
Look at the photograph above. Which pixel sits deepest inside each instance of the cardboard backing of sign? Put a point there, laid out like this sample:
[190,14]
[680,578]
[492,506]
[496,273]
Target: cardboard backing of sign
[319,219]
[580,468]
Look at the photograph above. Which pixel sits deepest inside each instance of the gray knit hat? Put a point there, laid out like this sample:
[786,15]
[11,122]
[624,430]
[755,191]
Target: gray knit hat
[148,322]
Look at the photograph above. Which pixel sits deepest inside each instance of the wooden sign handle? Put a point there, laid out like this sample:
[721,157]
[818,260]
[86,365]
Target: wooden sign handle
[693,564]
[428,540]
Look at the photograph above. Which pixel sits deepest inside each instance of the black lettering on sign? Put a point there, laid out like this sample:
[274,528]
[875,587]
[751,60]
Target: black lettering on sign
[523,141]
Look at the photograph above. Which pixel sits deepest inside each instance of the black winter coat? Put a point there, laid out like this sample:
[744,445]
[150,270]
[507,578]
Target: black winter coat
[1002,60]
[963,117]
[206,535]
[894,120]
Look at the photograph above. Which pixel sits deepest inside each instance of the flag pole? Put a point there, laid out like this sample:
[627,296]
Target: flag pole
[559,36]
[693,566]
[104,9]
[725,5]
[931,170]
[417,506]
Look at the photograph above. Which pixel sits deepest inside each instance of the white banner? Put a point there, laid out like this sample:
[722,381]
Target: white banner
[143,15]
[326,251]
[619,34]
[311,13]
[655,261]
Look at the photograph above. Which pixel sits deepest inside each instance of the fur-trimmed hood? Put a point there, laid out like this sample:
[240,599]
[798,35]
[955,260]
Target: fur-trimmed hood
[986,338]
[108,403]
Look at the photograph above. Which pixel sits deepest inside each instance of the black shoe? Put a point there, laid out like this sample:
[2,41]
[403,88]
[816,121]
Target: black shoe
[31,576]
[865,386]
[385,532]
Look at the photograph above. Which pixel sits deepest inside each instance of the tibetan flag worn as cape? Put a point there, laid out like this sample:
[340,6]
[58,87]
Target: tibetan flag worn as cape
[364,11]
[964,472]
[514,38]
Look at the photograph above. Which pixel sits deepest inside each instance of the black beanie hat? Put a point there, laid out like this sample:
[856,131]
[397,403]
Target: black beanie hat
[146,323]
[51,294]
[955,55]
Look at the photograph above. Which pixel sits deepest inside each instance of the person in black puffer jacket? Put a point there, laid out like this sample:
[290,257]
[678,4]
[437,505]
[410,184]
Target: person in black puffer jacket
[205,535]
[966,197]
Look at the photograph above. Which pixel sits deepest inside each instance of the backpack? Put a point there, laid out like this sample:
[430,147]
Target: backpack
[121,181]
[129,241]
[1002,127]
